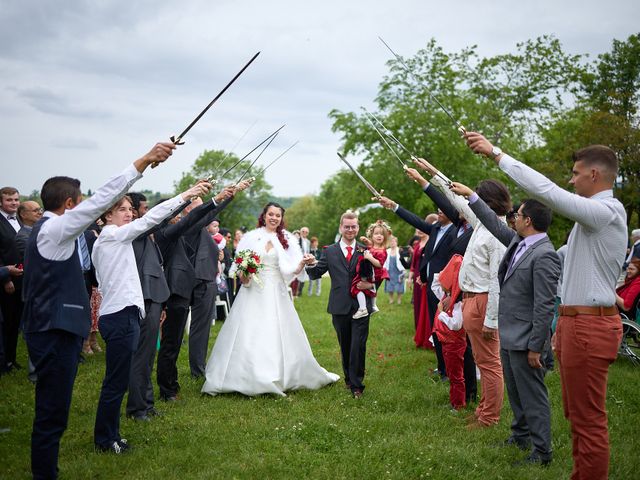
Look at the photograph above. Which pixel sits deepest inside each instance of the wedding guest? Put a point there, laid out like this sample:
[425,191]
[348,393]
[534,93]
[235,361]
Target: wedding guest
[595,255]
[29,212]
[393,265]
[627,294]
[123,305]
[54,329]
[316,252]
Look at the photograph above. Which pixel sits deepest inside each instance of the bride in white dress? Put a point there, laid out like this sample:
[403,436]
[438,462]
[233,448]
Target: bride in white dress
[262,347]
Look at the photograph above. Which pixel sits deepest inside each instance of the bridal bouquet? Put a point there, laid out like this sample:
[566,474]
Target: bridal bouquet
[248,262]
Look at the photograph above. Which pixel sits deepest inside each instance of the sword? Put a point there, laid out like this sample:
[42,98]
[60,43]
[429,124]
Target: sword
[399,143]
[277,158]
[404,165]
[178,139]
[461,128]
[252,150]
[375,193]
[259,155]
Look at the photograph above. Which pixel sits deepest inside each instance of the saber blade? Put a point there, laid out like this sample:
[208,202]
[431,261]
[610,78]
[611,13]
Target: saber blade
[277,158]
[410,72]
[178,139]
[362,179]
[252,150]
[384,139]
[259,155]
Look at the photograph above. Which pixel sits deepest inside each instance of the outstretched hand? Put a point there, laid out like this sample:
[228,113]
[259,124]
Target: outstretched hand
[387,203]
[200,189]
[460,189]
[478,143]
[426,166]
[227,192]
[414,175]
[158,154]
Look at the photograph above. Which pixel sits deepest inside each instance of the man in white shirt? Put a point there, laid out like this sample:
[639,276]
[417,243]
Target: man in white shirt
[123,305]
[56,315]
[588,315]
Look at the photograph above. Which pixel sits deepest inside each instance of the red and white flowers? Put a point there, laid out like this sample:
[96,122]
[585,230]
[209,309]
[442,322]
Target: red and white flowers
[249,264]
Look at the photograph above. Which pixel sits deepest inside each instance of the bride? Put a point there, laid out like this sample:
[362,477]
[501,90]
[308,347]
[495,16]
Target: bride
[262,347]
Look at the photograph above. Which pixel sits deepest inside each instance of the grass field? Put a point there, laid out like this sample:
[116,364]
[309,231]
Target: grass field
[402,428]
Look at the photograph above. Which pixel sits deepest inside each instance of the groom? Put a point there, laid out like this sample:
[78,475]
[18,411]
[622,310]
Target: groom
[340,259]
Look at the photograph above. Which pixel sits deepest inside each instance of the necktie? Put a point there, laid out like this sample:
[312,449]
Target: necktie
[84,253]
[349,254]
[519,250]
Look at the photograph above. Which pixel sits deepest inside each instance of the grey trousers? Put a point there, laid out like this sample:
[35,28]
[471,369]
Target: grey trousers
[202,312]
[140,399]
[529,400]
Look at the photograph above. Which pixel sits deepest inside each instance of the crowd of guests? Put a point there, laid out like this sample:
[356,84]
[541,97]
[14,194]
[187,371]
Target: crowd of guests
[491,295]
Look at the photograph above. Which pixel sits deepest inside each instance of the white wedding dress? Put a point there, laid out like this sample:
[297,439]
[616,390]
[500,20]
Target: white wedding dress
[262,347]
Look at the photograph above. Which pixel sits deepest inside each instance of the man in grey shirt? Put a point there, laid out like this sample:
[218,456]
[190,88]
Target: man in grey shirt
[588,316]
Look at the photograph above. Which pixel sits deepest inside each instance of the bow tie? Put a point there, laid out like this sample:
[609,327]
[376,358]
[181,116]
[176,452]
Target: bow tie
[12,217]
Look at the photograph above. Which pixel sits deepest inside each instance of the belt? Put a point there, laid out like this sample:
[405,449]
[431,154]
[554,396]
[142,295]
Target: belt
[574,310]
[472,294]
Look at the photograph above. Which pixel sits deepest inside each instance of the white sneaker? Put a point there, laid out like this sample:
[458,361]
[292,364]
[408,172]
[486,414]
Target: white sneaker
[374,309]
[362,312]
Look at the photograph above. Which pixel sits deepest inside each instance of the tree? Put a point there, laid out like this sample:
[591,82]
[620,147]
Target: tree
[244,209]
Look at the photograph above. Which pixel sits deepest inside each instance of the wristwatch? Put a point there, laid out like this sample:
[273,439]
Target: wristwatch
[495,151]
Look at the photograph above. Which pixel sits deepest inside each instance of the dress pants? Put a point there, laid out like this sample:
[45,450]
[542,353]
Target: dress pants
[203,311]
[586,345]
[486,353]
[453,353]
[140,398]
[170,343]
[352,337]
[12,313]
[529,400]
[121,332]
[55,354]
[470,380]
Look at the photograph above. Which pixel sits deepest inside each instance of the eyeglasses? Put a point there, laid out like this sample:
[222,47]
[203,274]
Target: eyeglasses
[37,210]
[350,227]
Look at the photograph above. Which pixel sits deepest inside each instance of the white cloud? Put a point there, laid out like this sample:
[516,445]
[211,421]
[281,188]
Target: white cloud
[86,87]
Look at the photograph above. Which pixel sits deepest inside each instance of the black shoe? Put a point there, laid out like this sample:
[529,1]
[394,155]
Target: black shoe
[117,448]
[139,417]
[524,445]
[533,459]
[152,412]
[169,398]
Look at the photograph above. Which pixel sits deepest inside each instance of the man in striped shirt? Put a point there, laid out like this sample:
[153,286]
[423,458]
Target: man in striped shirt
[589,328]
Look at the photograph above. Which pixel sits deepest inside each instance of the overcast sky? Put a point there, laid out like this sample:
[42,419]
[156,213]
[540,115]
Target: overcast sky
[88,86]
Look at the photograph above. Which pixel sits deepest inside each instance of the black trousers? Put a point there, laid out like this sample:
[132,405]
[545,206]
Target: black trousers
[470,380]
[55,354]
[202,312]
[140,399]
[352,337]
[121,332]
[172,334]
[11,312]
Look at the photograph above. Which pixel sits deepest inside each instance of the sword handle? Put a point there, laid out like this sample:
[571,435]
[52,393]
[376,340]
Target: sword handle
[462,130]
[176,141]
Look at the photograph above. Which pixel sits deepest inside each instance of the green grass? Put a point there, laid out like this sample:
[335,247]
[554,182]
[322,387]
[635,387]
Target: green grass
[401,428]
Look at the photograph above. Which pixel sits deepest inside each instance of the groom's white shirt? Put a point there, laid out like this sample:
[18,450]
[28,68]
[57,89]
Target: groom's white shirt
[344,245]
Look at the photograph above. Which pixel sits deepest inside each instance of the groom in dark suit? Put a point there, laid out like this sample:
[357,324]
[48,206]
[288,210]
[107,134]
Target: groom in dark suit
[340,260]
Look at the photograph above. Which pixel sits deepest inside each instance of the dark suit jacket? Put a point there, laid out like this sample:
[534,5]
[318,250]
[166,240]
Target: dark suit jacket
[178,254]
[448,245]
[528,291]
[333,260]
[8,251]
[206,255]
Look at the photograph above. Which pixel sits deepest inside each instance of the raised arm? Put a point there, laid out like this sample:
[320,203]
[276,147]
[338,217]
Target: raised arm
[588,212]
[65,228]
[484,213]
[441,201]
[409,217]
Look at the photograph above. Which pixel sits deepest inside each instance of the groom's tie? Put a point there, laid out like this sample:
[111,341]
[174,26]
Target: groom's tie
[349,253]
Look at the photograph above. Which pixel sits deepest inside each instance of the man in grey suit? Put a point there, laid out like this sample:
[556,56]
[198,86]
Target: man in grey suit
[528,277]
[340,260]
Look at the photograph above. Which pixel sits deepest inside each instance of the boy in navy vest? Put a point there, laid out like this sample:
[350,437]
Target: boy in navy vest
[56,315]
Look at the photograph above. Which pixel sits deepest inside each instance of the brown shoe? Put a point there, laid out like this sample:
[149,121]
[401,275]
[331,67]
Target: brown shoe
[94,342]
[86,348]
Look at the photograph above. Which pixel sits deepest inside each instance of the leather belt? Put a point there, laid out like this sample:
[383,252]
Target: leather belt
[574,310]
[471,294]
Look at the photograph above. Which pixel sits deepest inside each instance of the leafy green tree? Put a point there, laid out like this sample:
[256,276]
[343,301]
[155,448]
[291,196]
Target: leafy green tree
[244,209]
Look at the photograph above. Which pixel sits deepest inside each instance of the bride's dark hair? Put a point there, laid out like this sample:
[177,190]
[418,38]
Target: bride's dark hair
[280,228]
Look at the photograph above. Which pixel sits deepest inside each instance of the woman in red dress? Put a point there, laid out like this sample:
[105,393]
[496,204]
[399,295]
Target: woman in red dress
[627,293]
